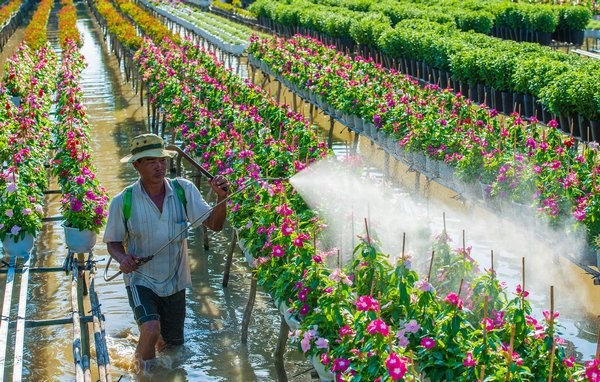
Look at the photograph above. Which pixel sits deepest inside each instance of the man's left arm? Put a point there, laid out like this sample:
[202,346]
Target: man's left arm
[216,220]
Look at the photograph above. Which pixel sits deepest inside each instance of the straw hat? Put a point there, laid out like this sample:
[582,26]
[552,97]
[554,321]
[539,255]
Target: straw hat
[148,146]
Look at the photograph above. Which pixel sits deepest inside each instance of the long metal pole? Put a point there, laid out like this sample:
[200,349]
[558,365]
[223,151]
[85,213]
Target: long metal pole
[5,319]
[20,333]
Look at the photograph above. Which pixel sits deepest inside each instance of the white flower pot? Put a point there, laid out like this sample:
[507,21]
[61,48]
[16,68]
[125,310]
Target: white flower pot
[322,370]
[79,241]
[358,123]
[20,248]
[432,166]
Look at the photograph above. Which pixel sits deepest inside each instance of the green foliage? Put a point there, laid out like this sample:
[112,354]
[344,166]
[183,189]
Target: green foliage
[573,17]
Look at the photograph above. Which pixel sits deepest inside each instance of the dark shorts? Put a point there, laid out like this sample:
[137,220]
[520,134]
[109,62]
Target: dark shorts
[170,311]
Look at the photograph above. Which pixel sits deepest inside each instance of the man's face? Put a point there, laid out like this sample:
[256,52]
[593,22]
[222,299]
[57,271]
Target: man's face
[151,170]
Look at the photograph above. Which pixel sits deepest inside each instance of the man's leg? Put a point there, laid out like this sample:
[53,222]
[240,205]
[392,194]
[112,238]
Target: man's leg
[172,317]
[149,336]
[144,303]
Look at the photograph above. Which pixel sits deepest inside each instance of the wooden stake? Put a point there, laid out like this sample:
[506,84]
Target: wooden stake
[598,345]
[367,229]
[523,285]
[463,237]
[403,244]
[460,286]
[552,349]
[492,261]
[430,265]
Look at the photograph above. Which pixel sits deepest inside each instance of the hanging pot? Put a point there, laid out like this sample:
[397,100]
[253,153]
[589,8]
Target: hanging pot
[21,247]
[79,241]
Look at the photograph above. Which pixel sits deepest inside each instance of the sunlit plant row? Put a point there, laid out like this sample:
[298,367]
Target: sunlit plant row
[84,201]
[67,24]
[515,159]
[29,80]
[9,10]
[35,33]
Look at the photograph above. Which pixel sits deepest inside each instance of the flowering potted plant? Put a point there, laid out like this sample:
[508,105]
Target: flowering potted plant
[20,212]
[84,208]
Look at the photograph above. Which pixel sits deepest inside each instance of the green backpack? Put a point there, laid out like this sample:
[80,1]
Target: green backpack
[128,192]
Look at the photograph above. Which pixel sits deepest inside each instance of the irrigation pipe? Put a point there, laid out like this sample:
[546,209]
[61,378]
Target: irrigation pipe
[143,260]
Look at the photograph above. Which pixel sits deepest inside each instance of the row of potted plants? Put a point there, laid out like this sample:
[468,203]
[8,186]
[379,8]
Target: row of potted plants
[367,319]
[517,21]
[478,59]
[469,138]
[8,11]
[29,77]
[35,33]
[84,202]
[226,35]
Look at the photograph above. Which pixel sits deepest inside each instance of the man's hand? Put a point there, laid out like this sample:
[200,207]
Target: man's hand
[128,263]
[219,185]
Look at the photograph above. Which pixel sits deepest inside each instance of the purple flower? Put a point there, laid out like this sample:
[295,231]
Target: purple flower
[15,230]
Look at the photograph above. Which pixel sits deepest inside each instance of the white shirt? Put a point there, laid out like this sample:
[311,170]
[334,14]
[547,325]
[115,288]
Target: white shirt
[148,230]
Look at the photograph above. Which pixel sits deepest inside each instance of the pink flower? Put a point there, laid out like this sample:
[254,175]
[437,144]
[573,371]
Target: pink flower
[521,292]
[396,366]
[76,205]
[488,324]
[378,326]
[287,229]
[453,299]
[469,360]
[427,342]
[300,239]
[26,211]
[365,303]
[569,362]
[345,331]
[592,370]
[325,358]
[284,210]
[340,364]
[304,310]
[9,213]
[277,251]
[550,318]
[303,294]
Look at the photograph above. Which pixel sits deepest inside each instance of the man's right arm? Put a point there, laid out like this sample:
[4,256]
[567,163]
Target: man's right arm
[127,262]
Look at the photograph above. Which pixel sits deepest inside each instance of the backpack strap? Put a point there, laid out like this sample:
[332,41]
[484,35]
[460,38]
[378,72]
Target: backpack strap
[127,197]
[127,203]
[180,193]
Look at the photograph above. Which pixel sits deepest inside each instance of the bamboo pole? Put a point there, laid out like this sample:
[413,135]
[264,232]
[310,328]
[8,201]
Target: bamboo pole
[430,265]
[248,310]
[553,348]
[229,260]
[492,261]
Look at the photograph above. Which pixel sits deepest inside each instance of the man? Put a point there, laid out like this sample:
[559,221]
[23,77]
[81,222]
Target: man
[142,219]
